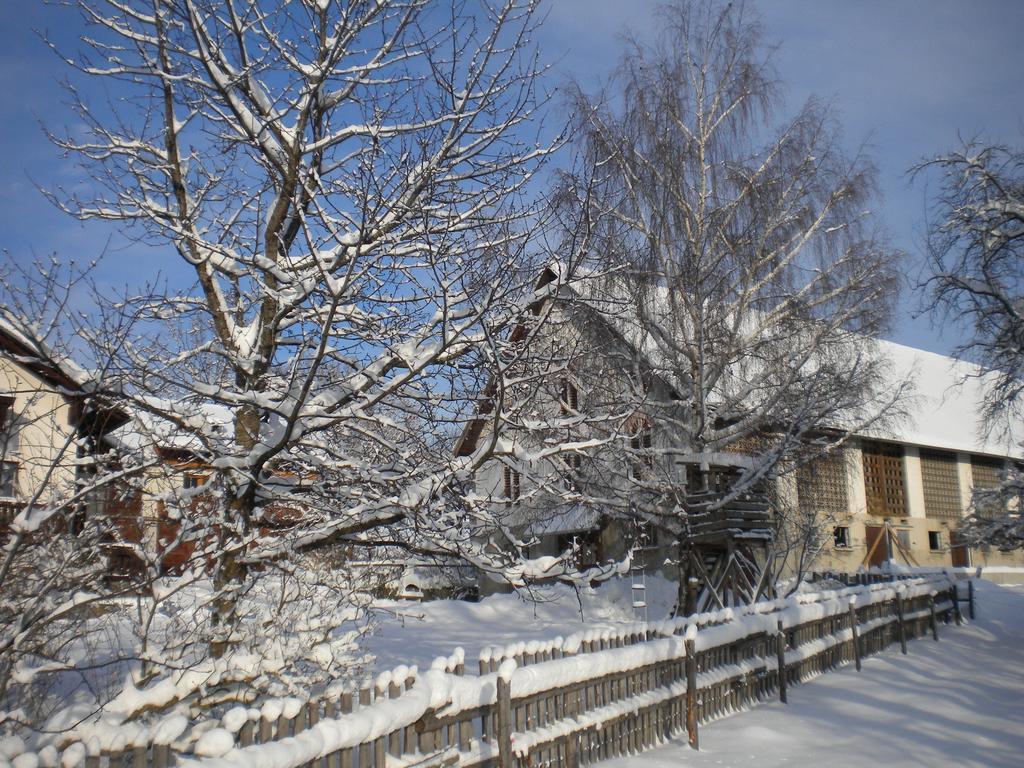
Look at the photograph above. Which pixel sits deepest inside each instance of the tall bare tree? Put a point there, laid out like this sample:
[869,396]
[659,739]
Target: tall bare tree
[339,192]
[976,250]
[748,275]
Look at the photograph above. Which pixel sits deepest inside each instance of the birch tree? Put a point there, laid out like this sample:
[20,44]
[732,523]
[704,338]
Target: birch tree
[749,275]
[976,252]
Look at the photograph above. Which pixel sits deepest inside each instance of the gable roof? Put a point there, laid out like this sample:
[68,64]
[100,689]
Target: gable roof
[942,413]
[37,357]
[61,373]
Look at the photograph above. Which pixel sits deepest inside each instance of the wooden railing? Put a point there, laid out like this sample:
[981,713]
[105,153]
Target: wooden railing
[576,701]
[749,513]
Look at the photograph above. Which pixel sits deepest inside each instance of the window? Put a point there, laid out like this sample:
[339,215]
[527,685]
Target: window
[190,481]
[941,484]
[903,537]
[987,474]
[640,444]
[934,540]
[883,479]
[569,397]
[8,478]
[645,535]
[511,484]
[841,537]
[587,546]
[9,439]
[573,464]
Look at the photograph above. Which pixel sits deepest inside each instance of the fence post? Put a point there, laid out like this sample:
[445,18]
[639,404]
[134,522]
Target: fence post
[504,720]
[931,617]
[970,598]
[899,618]
[854,631]
[691,693]
[954,596]
[780,653]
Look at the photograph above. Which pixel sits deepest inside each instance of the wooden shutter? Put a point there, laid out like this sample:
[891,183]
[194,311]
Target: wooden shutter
[986,472]
[883,479]
[821,485]
[941,484]
[511,484]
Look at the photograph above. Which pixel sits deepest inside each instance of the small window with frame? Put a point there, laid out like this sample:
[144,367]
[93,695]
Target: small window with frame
[645,535]
[640,444]
[903,538]
[573,469]
[935,540]
[8,479]
[841,537]
[10,437]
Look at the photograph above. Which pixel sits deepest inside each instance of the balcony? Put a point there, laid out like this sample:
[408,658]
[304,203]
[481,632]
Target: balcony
[748,517]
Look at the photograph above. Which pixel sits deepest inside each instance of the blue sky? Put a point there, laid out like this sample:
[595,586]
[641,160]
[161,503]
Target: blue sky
[906,76]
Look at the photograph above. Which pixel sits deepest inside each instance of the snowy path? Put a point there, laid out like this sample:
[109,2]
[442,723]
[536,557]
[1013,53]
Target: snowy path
[958,702]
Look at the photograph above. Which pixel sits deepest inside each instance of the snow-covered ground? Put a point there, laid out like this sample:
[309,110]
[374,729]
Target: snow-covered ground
[417,633]
[957,702]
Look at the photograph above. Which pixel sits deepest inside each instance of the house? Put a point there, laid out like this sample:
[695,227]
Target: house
[901,493]
[51,429]
[894,492]
[54,437]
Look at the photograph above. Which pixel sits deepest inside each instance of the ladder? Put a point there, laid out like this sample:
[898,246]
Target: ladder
[638,577]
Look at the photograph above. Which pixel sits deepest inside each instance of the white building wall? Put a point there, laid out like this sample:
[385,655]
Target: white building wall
[966,480]
[856,496]
[913,485]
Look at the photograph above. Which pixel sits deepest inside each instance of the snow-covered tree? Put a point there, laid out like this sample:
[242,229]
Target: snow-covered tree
[976,250]
[339,194]
[57,468]
[745,270]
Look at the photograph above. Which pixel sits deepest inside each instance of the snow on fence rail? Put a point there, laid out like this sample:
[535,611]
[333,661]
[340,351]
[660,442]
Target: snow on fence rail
[565,703]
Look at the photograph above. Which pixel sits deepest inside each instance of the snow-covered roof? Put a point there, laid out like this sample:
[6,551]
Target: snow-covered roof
[944,409]
[36,354]
[150,428]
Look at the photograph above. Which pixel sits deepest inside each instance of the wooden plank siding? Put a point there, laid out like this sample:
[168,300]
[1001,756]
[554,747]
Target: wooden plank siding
[884,482]
[821,485]
[941,484]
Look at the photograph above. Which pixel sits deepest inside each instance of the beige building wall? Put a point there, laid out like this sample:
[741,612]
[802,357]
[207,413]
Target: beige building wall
[922,531]
[44,450]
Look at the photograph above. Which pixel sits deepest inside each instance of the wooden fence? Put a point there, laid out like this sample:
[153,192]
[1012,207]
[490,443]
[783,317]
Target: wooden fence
[570,702]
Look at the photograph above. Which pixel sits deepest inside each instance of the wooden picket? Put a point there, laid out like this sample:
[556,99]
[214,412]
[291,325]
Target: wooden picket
[609,715]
